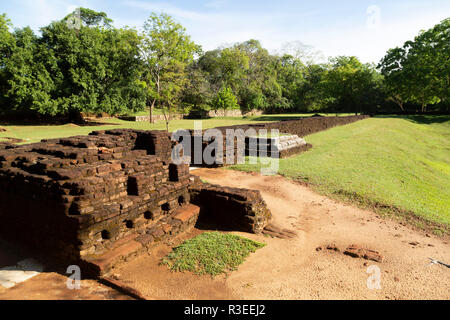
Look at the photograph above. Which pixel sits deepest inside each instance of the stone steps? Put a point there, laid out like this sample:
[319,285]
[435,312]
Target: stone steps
[127,248]
[275,147]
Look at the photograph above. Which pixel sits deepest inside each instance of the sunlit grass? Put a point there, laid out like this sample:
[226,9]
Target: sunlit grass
[400,162]
[34,133]
[211,253]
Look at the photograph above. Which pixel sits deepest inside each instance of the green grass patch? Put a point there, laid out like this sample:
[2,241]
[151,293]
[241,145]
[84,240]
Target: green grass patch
[401,164]
[35,133]
[211,253]
[145,112]
[269,135]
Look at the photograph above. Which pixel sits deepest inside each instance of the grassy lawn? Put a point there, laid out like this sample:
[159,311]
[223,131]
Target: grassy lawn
[145,112]
[211,253]
[34,133]
[403,162]
[395,162]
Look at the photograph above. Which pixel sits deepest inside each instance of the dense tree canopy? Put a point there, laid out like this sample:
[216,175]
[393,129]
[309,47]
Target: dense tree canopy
[351,84]
[91,69]
[7,46]
[224,100]
[84,64]
[419,72]
[166,50]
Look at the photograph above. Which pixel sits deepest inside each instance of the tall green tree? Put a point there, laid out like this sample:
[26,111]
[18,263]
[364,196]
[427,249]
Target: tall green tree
[311,94]
[91,68]
[349,82]
[291,78]
[225,100]
[419,72]
[166,50]
[396,86]
[225,67]
[7,47]
[30,81]
[260,89]
[197,92]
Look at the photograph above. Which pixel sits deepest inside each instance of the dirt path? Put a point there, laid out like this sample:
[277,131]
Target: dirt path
[45,285]
[294,269]
[53,286]
[284,269]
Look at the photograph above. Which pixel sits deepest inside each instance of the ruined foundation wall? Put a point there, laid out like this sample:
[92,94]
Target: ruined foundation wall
[101,199]
[300,128]
[76,197]
[232,208]
[312,125]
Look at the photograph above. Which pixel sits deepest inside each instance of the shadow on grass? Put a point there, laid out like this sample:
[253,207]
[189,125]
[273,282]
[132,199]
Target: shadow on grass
[277,118]
[419,119]
[53,123]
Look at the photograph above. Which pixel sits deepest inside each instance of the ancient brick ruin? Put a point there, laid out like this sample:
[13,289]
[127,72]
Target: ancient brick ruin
[281,147]
[248,209]
[299,128]
[101,199]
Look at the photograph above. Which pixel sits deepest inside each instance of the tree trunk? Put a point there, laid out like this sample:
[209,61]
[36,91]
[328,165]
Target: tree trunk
[167,119]
[151,110]
[424,107]
[154,100]
[400,105]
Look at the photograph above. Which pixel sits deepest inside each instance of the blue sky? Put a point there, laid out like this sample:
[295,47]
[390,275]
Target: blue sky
[362,28]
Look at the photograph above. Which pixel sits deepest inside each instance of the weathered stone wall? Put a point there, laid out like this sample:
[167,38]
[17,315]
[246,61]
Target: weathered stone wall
[220,153]
[156,117]
[312,125]
[281,147]
[98,199]
[233,113]
[101,199]
[78,198]
[300,128]
[232,208]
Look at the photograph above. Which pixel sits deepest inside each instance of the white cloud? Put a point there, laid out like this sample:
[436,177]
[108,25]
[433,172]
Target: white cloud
[212,28]
[169,9]
[39,13]
[216,4]
[71,8]
[370,45]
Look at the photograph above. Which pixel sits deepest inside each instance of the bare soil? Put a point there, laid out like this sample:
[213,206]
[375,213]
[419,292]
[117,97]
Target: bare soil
[49,285]
[11,140]
[297,268]
[53,286]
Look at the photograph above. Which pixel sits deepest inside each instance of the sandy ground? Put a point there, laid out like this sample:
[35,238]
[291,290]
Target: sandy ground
[293,268]
[284,269]
[53,286]
[49,285]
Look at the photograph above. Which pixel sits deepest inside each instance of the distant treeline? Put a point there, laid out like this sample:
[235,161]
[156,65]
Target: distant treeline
[84,64]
